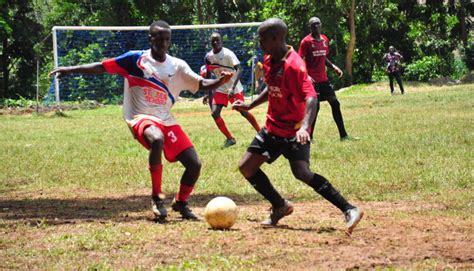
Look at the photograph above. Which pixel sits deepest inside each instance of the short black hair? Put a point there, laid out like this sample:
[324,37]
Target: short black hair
[161,24]
[274,26]
[216,34]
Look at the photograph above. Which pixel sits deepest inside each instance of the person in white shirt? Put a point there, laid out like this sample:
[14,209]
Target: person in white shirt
[153,82]
[221,59]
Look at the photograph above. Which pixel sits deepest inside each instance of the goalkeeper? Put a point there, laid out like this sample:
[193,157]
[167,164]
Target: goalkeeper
[153,83]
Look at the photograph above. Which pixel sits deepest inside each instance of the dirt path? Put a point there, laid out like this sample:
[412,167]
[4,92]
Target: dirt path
[404,235]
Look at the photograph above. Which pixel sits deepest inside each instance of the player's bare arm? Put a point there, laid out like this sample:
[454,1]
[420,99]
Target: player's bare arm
[209,84]
[238,70]
[241,106]
[335,68]
[302,135]
[92,68]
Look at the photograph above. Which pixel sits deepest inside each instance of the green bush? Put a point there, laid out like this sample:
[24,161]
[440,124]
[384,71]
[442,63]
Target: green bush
[424,69]
[22,102]
[468,55]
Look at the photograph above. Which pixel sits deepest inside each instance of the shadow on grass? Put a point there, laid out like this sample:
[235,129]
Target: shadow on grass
[57,211]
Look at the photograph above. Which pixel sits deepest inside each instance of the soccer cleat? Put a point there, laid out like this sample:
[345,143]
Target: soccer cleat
[278,213]
[352,217]
[183,209]
[229,142]
[158,206]
[349,138]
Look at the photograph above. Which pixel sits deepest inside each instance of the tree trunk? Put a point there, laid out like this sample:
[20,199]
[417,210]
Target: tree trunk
[352,42]
[199,11]
[5,71]
[462,21]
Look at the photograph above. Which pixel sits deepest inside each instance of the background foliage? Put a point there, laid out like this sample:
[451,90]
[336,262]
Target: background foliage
[434,37]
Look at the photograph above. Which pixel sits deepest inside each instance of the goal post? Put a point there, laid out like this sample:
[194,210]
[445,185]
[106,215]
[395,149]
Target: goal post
[74,45]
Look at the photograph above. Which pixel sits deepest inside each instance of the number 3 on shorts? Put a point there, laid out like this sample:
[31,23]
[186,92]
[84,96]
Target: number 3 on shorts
[172,136]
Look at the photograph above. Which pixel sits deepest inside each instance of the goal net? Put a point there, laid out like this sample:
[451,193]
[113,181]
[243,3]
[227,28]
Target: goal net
[75,45]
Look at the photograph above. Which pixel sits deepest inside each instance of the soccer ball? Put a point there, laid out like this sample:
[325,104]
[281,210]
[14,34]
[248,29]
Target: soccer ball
[221,213]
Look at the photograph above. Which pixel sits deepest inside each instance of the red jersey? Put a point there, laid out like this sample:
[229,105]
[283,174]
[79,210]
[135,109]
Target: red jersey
[288,88]
[314,53]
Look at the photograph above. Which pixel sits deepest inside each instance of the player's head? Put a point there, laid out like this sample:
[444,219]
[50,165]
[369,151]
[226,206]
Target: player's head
[315,25]
[391,49]
[272,35]
[160,37]
[216,42]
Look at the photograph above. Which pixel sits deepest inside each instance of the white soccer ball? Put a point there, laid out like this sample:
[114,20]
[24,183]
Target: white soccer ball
[221,213]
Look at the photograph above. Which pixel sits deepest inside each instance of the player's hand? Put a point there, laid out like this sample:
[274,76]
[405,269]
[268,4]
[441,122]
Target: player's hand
[338,71]
[302,136]
[205,99]
[240,106]
[59,72]
[226,76]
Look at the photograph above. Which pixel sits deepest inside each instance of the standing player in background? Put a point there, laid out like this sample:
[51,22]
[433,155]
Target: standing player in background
[259,78]
[314,49]
[292,104]
[222,59]
[393,59]
[153,81]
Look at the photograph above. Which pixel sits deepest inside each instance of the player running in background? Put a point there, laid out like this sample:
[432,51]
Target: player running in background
[153,82]
[393,59]
[222,59]
[292,104]
[314,49]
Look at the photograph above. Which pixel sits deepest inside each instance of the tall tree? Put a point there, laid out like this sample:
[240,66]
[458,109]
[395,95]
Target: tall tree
[352,41]
[19,35]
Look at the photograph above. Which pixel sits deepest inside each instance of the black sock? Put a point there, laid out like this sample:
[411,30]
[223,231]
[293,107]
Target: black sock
[337,116]
[325,189]
[262,184]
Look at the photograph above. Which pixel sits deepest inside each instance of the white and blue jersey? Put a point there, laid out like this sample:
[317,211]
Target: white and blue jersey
[151,88]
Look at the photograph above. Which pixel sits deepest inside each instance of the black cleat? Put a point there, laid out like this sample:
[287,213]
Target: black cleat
[278,213]
[158,206]
[229,142]
[183,209]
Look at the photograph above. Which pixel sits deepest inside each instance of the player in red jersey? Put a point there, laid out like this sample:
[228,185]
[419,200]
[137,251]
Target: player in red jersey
[314,49]
[153,81]
[222,59]
[292,104]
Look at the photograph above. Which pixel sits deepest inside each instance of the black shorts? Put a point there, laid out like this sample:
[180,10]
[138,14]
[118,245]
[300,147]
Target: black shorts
[272,147]
[325,91]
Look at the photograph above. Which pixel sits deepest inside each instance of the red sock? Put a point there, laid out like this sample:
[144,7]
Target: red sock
[156,172]
[184,192]
[221,125]
[253,121]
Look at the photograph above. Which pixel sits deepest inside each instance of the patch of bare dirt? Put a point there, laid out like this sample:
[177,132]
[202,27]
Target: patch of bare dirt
[392,234]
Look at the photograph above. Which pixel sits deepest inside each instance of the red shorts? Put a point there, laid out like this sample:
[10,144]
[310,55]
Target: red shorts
[176,140]
[223,99]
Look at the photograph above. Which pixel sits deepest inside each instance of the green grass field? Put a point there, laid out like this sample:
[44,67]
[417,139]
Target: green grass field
[413,148]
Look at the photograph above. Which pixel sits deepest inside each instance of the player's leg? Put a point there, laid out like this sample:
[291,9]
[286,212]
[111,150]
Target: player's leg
[250,118]
[219,100]
[399,81]
[337,116]
[390,78]
[178,147]
[154,137]
[301,171]
[192,169]
[258,153]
